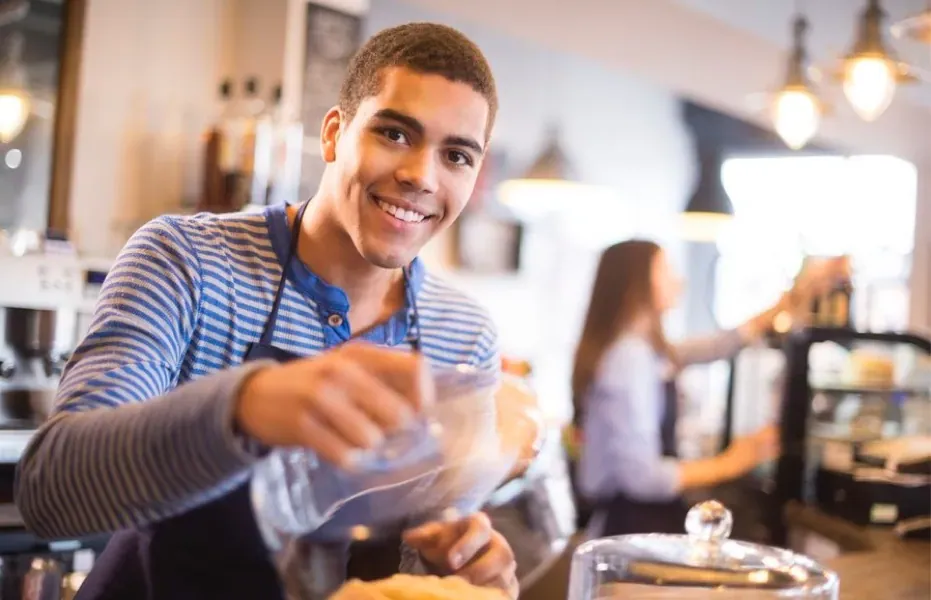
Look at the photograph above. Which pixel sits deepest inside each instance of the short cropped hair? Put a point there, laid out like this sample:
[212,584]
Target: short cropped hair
[427,48]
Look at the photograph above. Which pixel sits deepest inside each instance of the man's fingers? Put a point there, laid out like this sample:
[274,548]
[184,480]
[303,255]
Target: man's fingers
[421,537]
[334,405]
[491,568]
[327,444]
[406,372]
[379,401]
[476,535]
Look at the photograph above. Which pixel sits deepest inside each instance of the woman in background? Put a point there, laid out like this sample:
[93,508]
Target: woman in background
[625,398]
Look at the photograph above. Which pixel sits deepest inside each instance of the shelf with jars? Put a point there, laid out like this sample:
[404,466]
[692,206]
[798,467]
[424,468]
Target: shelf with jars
[252,152]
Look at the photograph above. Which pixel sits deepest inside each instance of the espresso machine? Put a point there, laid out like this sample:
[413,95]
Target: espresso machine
[47,299]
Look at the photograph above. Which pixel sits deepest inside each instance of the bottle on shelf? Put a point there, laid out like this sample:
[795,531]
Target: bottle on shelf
[287,149]
[252,152]
[832,309]
[823,292]
[218,159]
[253,111]
[265,150]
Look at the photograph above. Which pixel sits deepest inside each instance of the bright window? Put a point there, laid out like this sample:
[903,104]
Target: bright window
[788,207]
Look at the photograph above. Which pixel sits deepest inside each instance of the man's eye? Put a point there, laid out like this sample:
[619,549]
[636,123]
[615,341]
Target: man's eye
[460,159]
[395,135]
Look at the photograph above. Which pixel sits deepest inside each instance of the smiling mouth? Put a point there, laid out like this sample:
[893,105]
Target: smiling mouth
[401,214]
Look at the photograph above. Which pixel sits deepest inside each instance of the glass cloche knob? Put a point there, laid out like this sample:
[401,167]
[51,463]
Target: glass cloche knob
[709,521]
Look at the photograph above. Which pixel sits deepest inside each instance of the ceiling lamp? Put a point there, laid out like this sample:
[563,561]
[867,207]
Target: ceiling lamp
[709,210]
[14,100]
[870,73]
[796,109]
[916,27]
[550,185]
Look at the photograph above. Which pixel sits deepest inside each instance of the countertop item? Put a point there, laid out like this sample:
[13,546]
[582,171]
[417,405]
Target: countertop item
[701,563]
[874,563]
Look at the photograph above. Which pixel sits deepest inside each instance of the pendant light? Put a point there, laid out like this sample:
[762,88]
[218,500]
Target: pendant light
[796,109]
[916,27]
[550,185]
[709,210]
[15,104]
[870,73]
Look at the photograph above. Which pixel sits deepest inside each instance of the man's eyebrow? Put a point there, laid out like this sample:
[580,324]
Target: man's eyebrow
[417,127]
[465,142]
[409,121]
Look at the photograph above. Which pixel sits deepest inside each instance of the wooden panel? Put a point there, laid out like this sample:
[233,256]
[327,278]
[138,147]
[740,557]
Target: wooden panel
[65,115]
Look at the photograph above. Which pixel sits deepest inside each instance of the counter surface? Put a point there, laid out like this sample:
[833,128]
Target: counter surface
[874,563]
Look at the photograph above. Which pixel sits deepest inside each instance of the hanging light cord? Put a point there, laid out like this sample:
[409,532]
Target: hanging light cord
[11,60]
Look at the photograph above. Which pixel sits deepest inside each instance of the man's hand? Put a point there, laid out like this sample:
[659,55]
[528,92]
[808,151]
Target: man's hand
[469,548]
[337,403]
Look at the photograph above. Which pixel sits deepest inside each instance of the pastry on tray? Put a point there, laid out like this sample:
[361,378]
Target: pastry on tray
[416,587]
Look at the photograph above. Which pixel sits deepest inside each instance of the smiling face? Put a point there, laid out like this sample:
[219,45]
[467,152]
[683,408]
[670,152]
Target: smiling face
[406,163]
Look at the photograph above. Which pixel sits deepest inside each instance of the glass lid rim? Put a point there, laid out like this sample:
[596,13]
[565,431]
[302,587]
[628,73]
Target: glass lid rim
[819,576]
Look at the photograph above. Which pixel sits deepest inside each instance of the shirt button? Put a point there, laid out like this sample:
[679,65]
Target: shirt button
[335,320]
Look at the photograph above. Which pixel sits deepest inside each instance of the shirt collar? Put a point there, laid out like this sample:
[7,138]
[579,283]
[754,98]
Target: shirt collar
[327,296]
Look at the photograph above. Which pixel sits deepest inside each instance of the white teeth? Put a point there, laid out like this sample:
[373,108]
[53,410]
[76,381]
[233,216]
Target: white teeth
[401,214]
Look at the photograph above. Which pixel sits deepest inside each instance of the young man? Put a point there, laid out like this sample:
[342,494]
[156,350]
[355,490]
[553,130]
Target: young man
[219,337]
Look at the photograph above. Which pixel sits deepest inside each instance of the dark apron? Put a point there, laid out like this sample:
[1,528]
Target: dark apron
[624,515]
[215,551]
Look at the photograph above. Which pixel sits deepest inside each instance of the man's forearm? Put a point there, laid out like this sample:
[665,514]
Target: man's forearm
[109,468]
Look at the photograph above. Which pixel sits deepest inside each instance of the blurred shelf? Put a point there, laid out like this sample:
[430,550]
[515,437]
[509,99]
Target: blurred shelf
[878,391]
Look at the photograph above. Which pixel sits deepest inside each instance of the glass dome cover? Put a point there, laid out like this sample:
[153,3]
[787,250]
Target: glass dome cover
[704,559]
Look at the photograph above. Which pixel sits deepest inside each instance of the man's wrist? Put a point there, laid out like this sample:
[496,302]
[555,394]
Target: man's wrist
[243,440]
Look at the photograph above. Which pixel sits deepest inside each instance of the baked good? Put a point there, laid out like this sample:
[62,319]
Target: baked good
[872,370]
[416,587]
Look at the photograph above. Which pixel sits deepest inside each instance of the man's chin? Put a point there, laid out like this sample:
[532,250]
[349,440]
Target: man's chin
[389,258]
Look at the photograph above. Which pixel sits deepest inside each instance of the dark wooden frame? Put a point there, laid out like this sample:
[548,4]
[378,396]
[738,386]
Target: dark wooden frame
[66,110]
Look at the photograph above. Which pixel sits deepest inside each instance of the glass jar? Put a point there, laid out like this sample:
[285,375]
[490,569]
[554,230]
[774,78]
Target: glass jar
[446,465]
[702,562]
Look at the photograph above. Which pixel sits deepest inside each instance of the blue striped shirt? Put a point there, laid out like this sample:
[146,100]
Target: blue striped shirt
[143,425]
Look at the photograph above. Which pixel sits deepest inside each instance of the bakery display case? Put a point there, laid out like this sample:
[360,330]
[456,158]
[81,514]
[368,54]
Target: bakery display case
[856,429]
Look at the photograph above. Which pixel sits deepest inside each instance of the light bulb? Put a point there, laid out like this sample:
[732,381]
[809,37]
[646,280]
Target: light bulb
[14,111]
[535,198]
[869,84]
[796,115]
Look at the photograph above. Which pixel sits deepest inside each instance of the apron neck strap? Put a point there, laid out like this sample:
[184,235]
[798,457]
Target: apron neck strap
[269,328]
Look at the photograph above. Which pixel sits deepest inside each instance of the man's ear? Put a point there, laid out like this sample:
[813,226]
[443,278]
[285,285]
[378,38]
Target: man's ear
[329,133]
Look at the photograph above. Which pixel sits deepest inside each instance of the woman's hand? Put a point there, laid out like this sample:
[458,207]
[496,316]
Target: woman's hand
[763,322]
[469,548]
[747,452]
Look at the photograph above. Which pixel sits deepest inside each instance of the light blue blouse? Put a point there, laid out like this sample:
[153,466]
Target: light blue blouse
[621,451]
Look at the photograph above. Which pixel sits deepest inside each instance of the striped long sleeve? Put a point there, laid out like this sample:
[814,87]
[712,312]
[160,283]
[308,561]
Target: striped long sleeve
[125,446]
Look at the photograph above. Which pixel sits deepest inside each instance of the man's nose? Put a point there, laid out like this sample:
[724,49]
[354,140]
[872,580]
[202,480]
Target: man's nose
[419,171]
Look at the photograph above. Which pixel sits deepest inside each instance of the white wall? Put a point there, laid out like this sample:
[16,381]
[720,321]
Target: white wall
[149,76]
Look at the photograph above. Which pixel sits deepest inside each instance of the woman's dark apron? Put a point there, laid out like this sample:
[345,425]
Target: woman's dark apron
[215,551]
[624,515]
